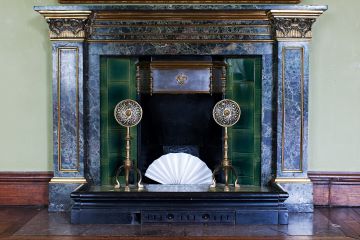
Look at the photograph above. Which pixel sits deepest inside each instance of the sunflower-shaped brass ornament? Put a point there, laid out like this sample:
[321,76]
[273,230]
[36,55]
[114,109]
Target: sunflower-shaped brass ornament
[128,113]
[226,113]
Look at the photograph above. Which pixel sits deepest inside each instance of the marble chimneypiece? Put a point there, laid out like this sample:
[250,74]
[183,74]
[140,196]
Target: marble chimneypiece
[279,34]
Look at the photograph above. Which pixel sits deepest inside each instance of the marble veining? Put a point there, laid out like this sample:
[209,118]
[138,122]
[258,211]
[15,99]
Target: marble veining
[267,123]
[59,196]
[92,120]
[180,36]
[69,160]
[180,30]
[129,49]
[68,82]
[181,27]
[292,99]
[300,197]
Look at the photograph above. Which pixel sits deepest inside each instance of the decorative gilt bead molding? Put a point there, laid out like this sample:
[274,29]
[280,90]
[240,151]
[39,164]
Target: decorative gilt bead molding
[292,24]
[67,25]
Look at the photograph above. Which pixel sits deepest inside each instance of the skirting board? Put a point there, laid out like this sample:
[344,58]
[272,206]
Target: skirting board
[336,188]
[24,188]
[31,188]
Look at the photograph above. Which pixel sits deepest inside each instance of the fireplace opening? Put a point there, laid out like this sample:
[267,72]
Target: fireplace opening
[179,123]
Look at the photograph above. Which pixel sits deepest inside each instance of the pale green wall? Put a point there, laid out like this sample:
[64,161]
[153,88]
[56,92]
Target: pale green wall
[25,78]
[334,114]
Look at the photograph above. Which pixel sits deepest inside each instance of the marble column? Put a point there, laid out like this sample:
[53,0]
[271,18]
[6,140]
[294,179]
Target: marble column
[67,33]
[292,32]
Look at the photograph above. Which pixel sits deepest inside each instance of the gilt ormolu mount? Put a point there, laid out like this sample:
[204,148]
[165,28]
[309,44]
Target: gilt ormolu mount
[278,34]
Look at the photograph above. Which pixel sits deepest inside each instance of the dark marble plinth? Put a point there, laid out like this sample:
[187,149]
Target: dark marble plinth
[59,196]
[300,196]
[247,205]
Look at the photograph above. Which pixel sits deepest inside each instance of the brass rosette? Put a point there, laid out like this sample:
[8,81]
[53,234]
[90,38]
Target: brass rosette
[226,113]
[128,113]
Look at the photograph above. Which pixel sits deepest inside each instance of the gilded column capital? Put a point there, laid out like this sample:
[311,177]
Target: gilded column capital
[292,24]
[67,25]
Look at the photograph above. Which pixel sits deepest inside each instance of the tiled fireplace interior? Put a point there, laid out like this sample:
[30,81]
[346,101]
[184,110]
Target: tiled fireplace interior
[181,120]
[96,50]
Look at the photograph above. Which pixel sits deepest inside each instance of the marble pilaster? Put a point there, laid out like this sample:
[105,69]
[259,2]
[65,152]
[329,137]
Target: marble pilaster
[292,32]
[67,33]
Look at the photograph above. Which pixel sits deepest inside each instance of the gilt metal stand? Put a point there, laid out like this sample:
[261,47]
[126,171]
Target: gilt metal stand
[226,113]
[128,113]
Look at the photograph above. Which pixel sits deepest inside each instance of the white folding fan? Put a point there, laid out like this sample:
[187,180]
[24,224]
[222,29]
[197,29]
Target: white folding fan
[179,168]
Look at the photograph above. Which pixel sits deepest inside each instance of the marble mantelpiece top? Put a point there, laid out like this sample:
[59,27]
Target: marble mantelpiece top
[160,7]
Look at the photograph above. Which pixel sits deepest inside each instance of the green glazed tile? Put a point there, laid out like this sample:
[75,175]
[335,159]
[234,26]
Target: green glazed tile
[117,83]
[257,125]
[258,74]
[257,166]
[117,93]
[246,181]
[103,70]
[244,166]
[249,68]
[115,160]
[243,93]
[118,70]
[243,141]
[237,70]
[245,136]
[116,141]
[243,69]
[257,154]
[244,155]
[246,120]
[239,76]
[257,102]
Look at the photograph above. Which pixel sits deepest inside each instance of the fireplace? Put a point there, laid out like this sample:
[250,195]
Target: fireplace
[269,43]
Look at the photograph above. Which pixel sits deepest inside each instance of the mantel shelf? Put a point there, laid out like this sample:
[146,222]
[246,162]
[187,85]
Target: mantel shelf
[152,7]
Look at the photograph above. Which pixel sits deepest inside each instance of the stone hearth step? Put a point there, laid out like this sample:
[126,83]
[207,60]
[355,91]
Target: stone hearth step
[157,204]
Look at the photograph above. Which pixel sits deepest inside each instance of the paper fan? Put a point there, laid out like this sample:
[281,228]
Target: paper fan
[179,168]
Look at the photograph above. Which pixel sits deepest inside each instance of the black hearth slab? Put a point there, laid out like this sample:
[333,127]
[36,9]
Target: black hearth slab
[247,205]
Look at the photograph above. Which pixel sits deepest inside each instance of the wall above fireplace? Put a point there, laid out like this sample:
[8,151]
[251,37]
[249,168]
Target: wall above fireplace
[279,35]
